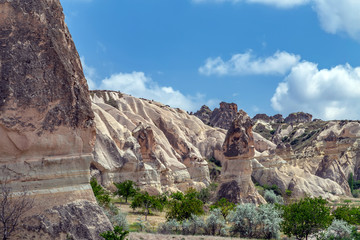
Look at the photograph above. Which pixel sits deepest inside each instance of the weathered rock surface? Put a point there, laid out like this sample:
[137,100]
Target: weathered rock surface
[221,117]
[77,220]
[158,147]
[314,157]
[237,154]
[46,122]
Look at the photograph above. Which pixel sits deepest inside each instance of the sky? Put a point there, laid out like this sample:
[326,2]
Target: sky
[267,56]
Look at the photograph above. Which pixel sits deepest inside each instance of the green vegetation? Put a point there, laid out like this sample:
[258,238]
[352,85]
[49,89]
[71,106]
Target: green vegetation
[349,214]
[308,216]
[126,189]
[101,195]
[224,205]
[255,222]
[117,234]
[182,206]
[147,203]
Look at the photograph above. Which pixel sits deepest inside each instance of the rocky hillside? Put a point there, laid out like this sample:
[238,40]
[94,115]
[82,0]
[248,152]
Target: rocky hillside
[47,130]
[158,147]
[325,149]
[301,155]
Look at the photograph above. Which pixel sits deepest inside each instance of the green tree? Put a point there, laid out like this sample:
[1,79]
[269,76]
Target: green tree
[100,194]
[308,216]
[182,206]
[117,234]
[147,203]
[224,205]
[126,189]
[349,214]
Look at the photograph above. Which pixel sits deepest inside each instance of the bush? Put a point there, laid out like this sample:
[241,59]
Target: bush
[117,234]
[215,223]
[171,226]
[224,205]
[271,197]
[338,230]
[116,217]
[102,197]
[182,206]
[350,215]
[253,222]
[306,217]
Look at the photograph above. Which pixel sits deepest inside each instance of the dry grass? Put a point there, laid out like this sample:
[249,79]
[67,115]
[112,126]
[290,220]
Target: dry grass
[133,216]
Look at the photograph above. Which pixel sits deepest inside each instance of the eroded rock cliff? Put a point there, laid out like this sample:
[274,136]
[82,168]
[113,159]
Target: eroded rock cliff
[46,121]
[158,147]
[309,157]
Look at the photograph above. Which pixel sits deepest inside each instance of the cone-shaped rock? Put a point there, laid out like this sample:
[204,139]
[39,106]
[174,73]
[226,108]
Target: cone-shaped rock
[237,153]
[46,121]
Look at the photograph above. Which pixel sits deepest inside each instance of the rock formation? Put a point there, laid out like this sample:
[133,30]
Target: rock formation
[313,158]
[46,122]
[237,154]
[299,117]
[158,147]
[221,117]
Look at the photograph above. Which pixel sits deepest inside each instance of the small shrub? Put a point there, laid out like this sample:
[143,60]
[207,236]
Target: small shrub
[288,192]
[169,227]
[215,223]
[102,197]
[224,205]
[271,197]
[338,230]
[117,234]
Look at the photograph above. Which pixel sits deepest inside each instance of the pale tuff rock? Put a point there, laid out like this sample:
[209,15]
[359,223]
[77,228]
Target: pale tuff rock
[46,122]
[158,147]
[326,151]
[237,154]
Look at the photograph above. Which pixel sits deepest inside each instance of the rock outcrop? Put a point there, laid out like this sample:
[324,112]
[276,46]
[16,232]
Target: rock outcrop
[46,122]
[237,155]
[299,117]
[158,147]
[221,117]
[313,158]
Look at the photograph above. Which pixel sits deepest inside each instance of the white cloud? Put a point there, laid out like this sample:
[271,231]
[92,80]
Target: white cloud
[325,93]
[248,64]
[275,3]
[90,74]
[337,16]
[139,85]
[281,3]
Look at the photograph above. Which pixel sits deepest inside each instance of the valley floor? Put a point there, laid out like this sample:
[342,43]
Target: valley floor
[150,236]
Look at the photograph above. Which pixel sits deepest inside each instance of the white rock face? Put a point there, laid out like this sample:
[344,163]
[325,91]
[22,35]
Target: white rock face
[158,147]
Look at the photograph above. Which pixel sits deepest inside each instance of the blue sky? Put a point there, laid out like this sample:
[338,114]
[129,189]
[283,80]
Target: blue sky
[268,56]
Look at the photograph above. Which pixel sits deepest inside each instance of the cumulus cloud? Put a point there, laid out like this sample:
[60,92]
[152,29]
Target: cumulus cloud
[339,16]
[275,3]
[139,85]
[281,3]
[335,16]
[248,64]
[326,93]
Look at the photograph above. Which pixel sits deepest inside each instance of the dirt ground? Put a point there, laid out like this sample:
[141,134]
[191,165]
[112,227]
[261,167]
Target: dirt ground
[150,236]
[133,216]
